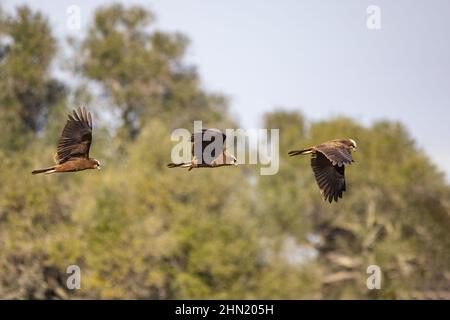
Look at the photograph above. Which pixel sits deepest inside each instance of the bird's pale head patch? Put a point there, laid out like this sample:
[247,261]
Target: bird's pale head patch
[97,164]
[231,160]
[353,144]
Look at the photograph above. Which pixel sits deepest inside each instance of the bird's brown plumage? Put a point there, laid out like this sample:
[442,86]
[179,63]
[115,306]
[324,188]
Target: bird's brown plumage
[208,151]
[76,137]
[73,147]
[328,161]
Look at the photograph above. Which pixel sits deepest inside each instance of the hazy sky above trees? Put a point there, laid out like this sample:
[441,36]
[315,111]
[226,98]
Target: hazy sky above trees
[317,56]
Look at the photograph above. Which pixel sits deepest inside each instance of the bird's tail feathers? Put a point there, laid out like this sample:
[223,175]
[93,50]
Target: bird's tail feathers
[177,165]
[174,165]
[299,152]
[46,170]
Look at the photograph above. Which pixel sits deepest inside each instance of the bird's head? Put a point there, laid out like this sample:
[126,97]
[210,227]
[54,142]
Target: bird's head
[353,144]
[97,164]
[231,160]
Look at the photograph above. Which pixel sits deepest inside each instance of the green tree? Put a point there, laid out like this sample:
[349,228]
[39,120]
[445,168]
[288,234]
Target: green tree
[29,208]
[28,90]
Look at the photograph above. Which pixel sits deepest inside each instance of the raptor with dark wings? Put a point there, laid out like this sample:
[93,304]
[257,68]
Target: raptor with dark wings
[73,147]
[328,161]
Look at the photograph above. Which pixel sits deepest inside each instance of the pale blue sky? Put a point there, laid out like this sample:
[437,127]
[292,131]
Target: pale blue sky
[317,56]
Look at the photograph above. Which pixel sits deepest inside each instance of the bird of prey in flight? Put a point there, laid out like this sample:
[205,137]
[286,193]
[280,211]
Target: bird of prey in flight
[208,151]
[328,161]
[73,147]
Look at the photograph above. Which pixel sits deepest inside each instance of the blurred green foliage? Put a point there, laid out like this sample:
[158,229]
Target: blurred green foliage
[140,230]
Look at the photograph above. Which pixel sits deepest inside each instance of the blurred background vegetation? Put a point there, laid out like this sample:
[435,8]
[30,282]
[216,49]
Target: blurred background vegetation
[139,230]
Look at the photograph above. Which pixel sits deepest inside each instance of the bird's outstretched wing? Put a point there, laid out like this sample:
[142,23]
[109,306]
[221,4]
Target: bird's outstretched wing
[330,178]
[211,140]
[76,137]
[337,152]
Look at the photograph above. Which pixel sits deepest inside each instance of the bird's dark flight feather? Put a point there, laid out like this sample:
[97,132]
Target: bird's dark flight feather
[76,137]
[330,178]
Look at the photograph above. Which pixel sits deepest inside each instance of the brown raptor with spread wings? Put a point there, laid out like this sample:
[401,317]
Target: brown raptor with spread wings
[73,147]
[328,161]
